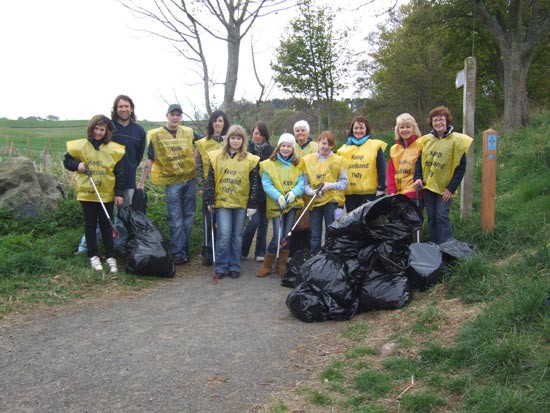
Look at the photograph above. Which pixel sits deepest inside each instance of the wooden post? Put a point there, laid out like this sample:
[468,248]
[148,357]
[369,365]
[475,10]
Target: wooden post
[468,128]
[488,181]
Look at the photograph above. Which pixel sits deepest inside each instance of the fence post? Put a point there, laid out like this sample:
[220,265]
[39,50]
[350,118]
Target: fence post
[468,128]
[488,181]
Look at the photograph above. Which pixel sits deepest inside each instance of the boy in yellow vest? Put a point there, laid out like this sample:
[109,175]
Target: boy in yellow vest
[172,164]
[103,158]
[439,169]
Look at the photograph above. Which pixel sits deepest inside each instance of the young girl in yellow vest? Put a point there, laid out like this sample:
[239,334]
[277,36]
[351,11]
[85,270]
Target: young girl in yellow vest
[230,188]
[283,183]
[405,152]
[324,168]
[367,165]
[439,169]
[217,127]
[102,157]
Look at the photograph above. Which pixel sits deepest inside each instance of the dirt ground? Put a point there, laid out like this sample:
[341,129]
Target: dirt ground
[187,345]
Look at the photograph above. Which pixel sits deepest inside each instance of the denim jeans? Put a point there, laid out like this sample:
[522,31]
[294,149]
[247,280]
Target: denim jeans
[207,218]
[257,222]
[181,204]
[439,223]
[229,239]
[288,220]
[316,217]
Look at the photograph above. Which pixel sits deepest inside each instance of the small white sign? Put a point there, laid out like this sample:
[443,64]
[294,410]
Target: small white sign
[459,80]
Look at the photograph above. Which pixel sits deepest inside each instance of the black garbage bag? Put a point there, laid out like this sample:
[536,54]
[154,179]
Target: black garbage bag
[390,218]
[147,250]
[293,268]
[454,249]
[139,200]
[335,282]
[381,290]
[393,255]
[309,303]
[425,265]
[345,246]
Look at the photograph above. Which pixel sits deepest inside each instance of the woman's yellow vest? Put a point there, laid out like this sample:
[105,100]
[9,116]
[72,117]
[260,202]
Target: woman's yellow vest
[404,162]
[101,164]
[327,171]
[362,173]
[310,148]
[174,162]
[440,157]
[204,146]
[232,178]
[284,179]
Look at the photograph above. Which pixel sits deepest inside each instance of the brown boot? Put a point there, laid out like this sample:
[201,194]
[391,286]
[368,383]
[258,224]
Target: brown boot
[265,269]
[283,258]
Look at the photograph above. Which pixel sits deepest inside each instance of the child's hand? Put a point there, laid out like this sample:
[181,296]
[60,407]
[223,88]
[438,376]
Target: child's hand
[119,200]
[82,167]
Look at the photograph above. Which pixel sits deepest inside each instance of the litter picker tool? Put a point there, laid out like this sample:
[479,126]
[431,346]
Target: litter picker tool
[287,236]
[115,233]
[418,205]
[279,234]
[215,276]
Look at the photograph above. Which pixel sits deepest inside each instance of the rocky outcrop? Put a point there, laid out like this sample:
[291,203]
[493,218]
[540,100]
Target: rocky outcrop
[26,191]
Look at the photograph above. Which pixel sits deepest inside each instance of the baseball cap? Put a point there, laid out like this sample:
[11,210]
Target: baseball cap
[174,107]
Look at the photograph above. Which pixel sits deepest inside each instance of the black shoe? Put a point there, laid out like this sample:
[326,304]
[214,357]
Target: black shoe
[234,274]
[181,261]
[207,261]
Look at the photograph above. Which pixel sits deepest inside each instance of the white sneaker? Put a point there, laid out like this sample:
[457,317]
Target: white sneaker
[112,265]
[96,263]
[259,259]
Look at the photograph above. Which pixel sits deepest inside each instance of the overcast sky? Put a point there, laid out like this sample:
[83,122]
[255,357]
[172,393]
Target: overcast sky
[70,58]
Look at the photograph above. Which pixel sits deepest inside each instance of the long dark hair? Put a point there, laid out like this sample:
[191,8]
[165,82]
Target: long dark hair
[114,115]
[210,126]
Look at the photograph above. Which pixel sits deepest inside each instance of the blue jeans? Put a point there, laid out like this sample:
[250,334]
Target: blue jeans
[181,204]
[229,239]
[316,217]
[288,220]
[439,223]
[259,222]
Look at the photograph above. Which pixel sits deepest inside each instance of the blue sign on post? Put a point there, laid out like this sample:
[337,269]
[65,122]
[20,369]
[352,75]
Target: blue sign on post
[492,142]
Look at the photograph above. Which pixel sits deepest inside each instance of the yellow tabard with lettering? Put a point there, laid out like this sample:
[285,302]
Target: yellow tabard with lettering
[362,173]
[310,148]
[326,171]
[204,146]
[101,164]
[174,163]
[284,179]
[232,178]
[440,157]
[404,162]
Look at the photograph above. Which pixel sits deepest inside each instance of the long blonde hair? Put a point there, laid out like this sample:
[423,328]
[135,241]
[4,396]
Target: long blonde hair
[235,130]
[406,119]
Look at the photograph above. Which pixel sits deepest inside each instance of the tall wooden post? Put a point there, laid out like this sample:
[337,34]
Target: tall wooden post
[488,181]
[468,128]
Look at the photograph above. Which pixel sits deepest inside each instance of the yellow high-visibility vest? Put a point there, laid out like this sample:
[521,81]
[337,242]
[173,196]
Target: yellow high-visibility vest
[173,163]
[404,162]
[326,171]
[284,179]
[204,146]
[101,164]
[362,172]
[232,178]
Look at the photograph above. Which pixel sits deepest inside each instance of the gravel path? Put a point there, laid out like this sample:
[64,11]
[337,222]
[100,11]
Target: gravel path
[187,346]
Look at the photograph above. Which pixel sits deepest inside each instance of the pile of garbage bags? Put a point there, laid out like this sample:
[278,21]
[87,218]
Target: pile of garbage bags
[369,262]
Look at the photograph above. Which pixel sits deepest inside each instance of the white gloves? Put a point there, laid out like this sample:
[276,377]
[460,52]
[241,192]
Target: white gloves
[309,191]
[290,197]
[327,186]
[282,202]
[250,212]
[338,213]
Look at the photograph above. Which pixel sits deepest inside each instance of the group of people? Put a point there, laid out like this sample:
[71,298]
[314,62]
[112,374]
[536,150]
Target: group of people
[297,179]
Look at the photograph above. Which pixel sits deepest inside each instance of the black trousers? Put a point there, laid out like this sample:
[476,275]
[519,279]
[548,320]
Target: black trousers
[354,201]
[94,214]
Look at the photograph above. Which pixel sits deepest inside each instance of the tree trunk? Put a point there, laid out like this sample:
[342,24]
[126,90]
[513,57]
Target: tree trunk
[516,103]
[233,49]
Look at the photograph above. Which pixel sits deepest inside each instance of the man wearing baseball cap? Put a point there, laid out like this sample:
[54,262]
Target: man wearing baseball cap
[170,162]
